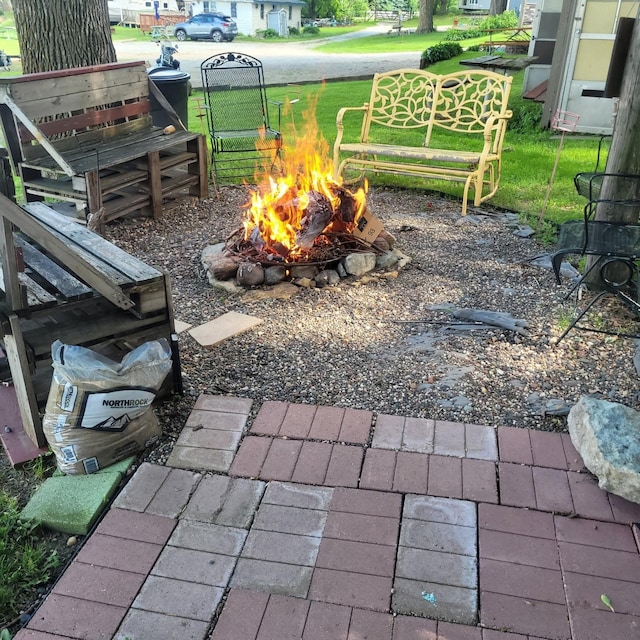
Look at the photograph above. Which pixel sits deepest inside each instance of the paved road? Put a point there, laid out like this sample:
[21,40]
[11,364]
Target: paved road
[284,62]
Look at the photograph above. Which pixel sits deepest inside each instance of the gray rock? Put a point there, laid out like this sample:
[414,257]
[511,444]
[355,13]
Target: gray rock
[388,237]
[387,259]
[327,278]
[250,274]
[607,436]
[357,264]
[274,275]
[303,271]
[226,285]
[212,250]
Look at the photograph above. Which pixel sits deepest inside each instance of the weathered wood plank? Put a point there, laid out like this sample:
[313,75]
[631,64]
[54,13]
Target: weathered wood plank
[37,297]
[21,375]
[94,248]
[88,119]
[40,98]
[111,152]
[68,287]
[10,284]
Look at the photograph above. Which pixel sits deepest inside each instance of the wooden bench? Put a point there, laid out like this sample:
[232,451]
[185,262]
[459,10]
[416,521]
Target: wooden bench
[59,280]
[416,123]
[87,136]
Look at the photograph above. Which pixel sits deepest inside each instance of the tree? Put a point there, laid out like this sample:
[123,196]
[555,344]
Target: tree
[624,153]
[347,10]
[425,18]
[623,158]
[63,34]
[498,7]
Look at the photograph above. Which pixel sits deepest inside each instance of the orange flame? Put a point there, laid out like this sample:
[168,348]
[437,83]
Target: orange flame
[278,206]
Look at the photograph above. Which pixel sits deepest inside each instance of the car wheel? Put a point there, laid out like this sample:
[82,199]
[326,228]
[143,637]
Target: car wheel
[181,35]
[216,36]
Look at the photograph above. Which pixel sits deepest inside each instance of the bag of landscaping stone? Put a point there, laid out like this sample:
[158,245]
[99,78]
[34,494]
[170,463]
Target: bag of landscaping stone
[99,411]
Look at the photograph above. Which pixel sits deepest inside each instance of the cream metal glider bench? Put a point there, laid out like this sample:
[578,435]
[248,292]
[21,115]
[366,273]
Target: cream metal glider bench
[444,127]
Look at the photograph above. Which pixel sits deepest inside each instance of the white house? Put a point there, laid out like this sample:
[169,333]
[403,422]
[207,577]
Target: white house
[128,10]
[252,15]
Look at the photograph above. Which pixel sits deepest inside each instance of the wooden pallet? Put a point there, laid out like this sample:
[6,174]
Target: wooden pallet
[61,281]
[92,136]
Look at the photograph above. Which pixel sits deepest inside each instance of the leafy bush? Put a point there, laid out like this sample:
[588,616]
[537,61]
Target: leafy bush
[310,30]
[526,117]
[439,52]
[505,20]
[294,31]
[454,35]
[267,34]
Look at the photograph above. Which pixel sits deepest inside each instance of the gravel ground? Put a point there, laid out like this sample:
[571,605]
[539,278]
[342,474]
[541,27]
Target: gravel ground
[390,344]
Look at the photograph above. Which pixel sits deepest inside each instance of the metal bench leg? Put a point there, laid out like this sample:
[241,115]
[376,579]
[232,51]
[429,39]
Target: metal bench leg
[582,314]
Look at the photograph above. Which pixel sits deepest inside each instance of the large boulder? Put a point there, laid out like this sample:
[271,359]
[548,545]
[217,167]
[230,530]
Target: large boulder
[607,436]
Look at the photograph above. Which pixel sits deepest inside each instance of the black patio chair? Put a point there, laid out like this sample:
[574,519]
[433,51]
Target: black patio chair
[242,137]
[616,246]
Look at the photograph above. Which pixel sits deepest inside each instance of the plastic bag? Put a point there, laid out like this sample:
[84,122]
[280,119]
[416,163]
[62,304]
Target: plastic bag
[98,410]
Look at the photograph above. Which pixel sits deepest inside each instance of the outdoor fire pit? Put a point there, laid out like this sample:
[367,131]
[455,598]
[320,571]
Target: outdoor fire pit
[302,226]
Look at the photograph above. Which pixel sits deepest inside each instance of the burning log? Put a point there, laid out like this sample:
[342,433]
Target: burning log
[317,216]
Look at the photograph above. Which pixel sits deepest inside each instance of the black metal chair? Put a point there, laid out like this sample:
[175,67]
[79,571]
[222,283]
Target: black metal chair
[616,246]
[242,137]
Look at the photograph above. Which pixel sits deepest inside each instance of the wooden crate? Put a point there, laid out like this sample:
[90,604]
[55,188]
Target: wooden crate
[60,281]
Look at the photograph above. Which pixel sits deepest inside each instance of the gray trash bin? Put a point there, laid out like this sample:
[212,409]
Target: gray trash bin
[174,86]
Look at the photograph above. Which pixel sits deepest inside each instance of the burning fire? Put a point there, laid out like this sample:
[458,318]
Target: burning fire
[300,209]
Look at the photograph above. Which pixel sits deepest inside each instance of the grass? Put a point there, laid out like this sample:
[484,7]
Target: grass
[25,563]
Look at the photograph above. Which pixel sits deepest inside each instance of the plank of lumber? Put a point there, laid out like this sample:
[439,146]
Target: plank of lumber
[226,326]
[69,287]
[100,252]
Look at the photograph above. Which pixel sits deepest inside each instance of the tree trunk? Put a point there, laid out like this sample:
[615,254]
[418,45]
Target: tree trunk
[624,157]
[425,19]
[63,34]
[624,154]
[498,7]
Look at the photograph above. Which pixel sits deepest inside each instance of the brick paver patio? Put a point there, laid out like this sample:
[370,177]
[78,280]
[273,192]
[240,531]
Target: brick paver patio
[322,523]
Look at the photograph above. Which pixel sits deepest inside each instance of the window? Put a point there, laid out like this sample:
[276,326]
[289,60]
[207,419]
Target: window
[234,9]
[290,12]
[261,12]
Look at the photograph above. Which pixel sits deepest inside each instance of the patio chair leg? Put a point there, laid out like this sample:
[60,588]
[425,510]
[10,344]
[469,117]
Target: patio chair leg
[582,314]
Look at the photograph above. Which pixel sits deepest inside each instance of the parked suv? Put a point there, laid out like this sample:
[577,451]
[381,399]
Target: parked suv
[216,26]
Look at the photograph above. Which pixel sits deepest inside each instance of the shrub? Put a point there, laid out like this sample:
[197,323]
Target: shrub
[526,117]
[294,31]
[310,30]
[439,52]
[505,20]
[454,35]
[269,33]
